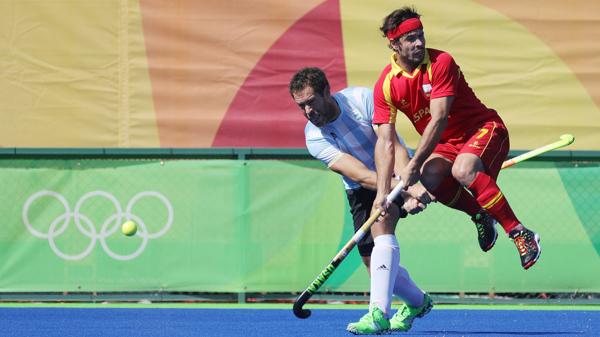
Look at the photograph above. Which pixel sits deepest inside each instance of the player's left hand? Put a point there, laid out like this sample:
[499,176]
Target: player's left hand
[380,203]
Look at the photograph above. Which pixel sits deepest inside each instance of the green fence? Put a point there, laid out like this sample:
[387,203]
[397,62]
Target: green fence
[251,220]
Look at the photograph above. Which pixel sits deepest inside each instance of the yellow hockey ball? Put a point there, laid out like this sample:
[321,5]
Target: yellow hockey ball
[129,228]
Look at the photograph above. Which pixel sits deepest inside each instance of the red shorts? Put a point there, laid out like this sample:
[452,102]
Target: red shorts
[488,142]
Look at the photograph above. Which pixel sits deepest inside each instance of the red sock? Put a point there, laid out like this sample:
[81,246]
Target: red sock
[490,197]
[452,194]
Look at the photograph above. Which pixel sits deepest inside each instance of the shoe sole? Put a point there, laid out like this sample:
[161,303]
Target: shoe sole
[384,332]
[537,256]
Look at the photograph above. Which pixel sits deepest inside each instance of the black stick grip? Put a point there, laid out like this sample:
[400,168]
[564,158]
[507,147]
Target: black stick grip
[299,303]
[314,286]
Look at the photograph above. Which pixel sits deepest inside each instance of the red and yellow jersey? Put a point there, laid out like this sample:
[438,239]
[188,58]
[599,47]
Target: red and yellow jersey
[437,76]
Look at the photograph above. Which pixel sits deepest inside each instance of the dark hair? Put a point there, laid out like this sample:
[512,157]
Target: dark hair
[396,17]
[310,76]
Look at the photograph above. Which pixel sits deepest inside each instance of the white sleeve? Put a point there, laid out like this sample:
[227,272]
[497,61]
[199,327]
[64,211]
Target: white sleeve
[367,103]
[323,148]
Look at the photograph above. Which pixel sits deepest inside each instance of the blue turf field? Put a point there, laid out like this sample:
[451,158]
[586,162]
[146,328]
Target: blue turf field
[174,322]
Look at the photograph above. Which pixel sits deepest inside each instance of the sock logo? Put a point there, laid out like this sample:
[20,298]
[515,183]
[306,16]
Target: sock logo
[382,267]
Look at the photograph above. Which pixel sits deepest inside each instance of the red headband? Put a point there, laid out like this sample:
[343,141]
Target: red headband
[403,28]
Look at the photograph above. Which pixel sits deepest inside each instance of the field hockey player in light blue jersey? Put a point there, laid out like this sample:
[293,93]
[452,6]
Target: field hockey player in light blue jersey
[339,132]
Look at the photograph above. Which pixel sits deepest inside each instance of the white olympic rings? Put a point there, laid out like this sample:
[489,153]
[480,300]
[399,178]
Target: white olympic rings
[86,227]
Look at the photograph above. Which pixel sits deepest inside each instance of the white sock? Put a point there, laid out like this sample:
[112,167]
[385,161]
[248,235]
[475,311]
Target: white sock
[406,289]
[384,267]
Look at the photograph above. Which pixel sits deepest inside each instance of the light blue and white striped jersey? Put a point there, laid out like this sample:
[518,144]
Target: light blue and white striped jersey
[351,133]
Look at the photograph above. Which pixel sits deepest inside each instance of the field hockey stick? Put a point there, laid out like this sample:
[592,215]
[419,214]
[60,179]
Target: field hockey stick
[341,255]
[565,140]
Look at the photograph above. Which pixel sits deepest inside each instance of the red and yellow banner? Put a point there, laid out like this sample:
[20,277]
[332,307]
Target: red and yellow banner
[186,73]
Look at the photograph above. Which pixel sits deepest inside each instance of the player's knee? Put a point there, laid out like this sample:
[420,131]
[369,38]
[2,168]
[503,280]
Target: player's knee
[463,174]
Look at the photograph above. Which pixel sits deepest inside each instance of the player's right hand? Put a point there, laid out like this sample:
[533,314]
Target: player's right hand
[413,206]
[419,192]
